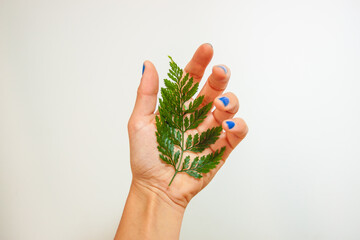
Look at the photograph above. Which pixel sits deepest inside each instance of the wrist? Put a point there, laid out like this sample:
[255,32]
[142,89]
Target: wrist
[156,196]
[149,214]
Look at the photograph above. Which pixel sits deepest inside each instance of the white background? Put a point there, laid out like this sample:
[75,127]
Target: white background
[69,72]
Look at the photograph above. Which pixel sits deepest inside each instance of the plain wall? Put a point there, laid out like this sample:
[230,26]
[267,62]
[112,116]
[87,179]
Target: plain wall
[69,72]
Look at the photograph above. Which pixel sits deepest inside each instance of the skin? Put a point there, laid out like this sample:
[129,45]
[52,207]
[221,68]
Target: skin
[154,210]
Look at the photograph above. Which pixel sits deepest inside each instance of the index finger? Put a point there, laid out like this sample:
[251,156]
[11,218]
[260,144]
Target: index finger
[198,63]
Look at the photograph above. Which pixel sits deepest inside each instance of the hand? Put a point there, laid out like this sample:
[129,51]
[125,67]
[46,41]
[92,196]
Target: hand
[148,169]
[154,210]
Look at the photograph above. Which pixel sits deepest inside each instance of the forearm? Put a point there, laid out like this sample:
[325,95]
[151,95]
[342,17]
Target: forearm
[149,214]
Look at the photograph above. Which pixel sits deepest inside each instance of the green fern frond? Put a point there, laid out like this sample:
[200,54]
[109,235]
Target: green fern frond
[179,114]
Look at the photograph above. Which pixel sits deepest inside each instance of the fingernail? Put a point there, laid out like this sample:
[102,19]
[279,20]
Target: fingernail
[225,100]
[224,68]
[230,124]
[210,45]
[143,69]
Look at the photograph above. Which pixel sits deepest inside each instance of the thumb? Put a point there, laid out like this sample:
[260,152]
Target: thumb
[147,91]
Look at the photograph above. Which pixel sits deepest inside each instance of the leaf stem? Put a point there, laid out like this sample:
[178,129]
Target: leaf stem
[177,168]
[176,171]
[180,159]
[182,150]
[182,129]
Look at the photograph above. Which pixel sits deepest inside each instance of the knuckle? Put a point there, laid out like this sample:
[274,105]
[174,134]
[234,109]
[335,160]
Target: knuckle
[195,71]
[134,125]
[217,84]
[130,125]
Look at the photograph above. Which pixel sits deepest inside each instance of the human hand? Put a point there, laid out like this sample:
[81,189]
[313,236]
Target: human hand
[148,169]
[154,210]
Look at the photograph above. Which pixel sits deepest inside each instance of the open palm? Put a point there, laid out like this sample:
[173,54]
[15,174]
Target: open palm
[147,168]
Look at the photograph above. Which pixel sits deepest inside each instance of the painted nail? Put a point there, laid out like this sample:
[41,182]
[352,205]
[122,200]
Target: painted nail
[223,68]
[143,69]
[230,124]
[225,100]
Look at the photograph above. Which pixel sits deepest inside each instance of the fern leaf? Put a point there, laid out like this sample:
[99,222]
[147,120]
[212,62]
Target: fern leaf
[206,139]
[175,119]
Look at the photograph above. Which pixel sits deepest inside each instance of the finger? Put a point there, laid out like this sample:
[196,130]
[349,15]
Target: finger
[226,106]
[216,84]
[198,63]
[235,131]
[147,91]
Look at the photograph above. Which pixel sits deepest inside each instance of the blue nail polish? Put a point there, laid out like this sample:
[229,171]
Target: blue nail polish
[143,69]
[230,124]
[225,100]
[224,68]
